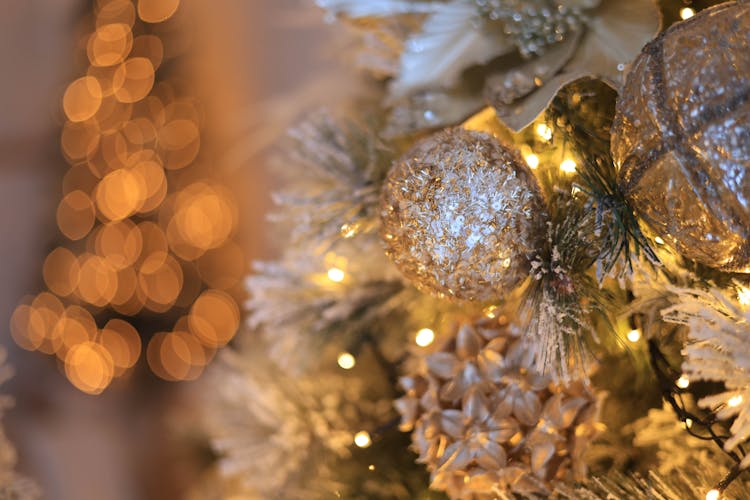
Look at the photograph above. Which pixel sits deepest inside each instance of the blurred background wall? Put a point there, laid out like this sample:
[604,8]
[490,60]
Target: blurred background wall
[255,65]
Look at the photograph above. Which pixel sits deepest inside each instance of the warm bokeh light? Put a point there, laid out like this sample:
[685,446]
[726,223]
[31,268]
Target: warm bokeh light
[532,160]
[735,401]
[634,335]
[683,382]
[160,278]
[336,275]
[424,337]
[153,229]
[543,131]
[122,342]
[346,361]
[97,283]
[150,47]
[214,318]
[568,166]
[686,13]
[75,215]
[89,367]
[120,194]
[109,44]
[61,271]
[82,99]
[133,79]
[156,11]
[362,439]
[713,495]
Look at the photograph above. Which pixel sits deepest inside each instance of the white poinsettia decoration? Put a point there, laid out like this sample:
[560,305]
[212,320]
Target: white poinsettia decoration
[452,55]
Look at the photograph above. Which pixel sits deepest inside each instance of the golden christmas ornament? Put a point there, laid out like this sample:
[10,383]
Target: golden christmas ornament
[487,425]
[461,215]
[681,138]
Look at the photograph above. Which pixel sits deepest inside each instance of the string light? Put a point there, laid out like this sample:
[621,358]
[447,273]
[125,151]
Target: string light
[689,423]
[362,439]
[743,295]
[686,13]
[348,230]
[491,312]
[735,401]
[713,494]
[346,361]
[371,467]
[634,335]
[532,161]
[336,275]
[568,166]
[424,337]
[659,241]
[544,131]
[683,382]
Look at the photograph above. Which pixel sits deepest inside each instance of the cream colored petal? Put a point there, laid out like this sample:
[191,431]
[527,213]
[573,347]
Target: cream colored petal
[450,41]
[615,36]
[540,456]
[468,342]
[491,456]
[491,365]
[475,406]
[504,87]
[527,407]
[407,407]
[452,423]
[504,429]
[456,457]
[442,364]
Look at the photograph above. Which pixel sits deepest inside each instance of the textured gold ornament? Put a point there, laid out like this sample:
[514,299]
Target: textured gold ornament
[681,137]
[486,424]
[461,215]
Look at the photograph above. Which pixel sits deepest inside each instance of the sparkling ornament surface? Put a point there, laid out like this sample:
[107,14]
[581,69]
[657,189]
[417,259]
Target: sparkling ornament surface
[486,424]
[681,137]
[461,215]
[534,25]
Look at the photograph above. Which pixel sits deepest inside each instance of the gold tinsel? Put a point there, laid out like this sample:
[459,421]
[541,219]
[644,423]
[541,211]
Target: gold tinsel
[486,424]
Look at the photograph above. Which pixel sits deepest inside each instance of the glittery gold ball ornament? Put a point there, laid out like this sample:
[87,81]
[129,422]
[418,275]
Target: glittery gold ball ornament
[486,424]
[681,137]
[461,215]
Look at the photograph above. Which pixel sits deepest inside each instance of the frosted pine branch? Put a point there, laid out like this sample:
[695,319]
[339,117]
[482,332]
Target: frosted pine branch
[335,170]
[718,350]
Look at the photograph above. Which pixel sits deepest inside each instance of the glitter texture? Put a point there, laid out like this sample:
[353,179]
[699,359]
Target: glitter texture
[534,25]
[486,424]
[681,137]
[461,216]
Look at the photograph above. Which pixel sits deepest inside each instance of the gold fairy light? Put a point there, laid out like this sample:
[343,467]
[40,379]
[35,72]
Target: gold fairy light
[686,13]
[141,239]
[634,335]
[568,166]
[362,439]
[544,131]
[346,361]
[735,401]
[532,160]
[336,275]
[683,382]
[424,337]
[713,494]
